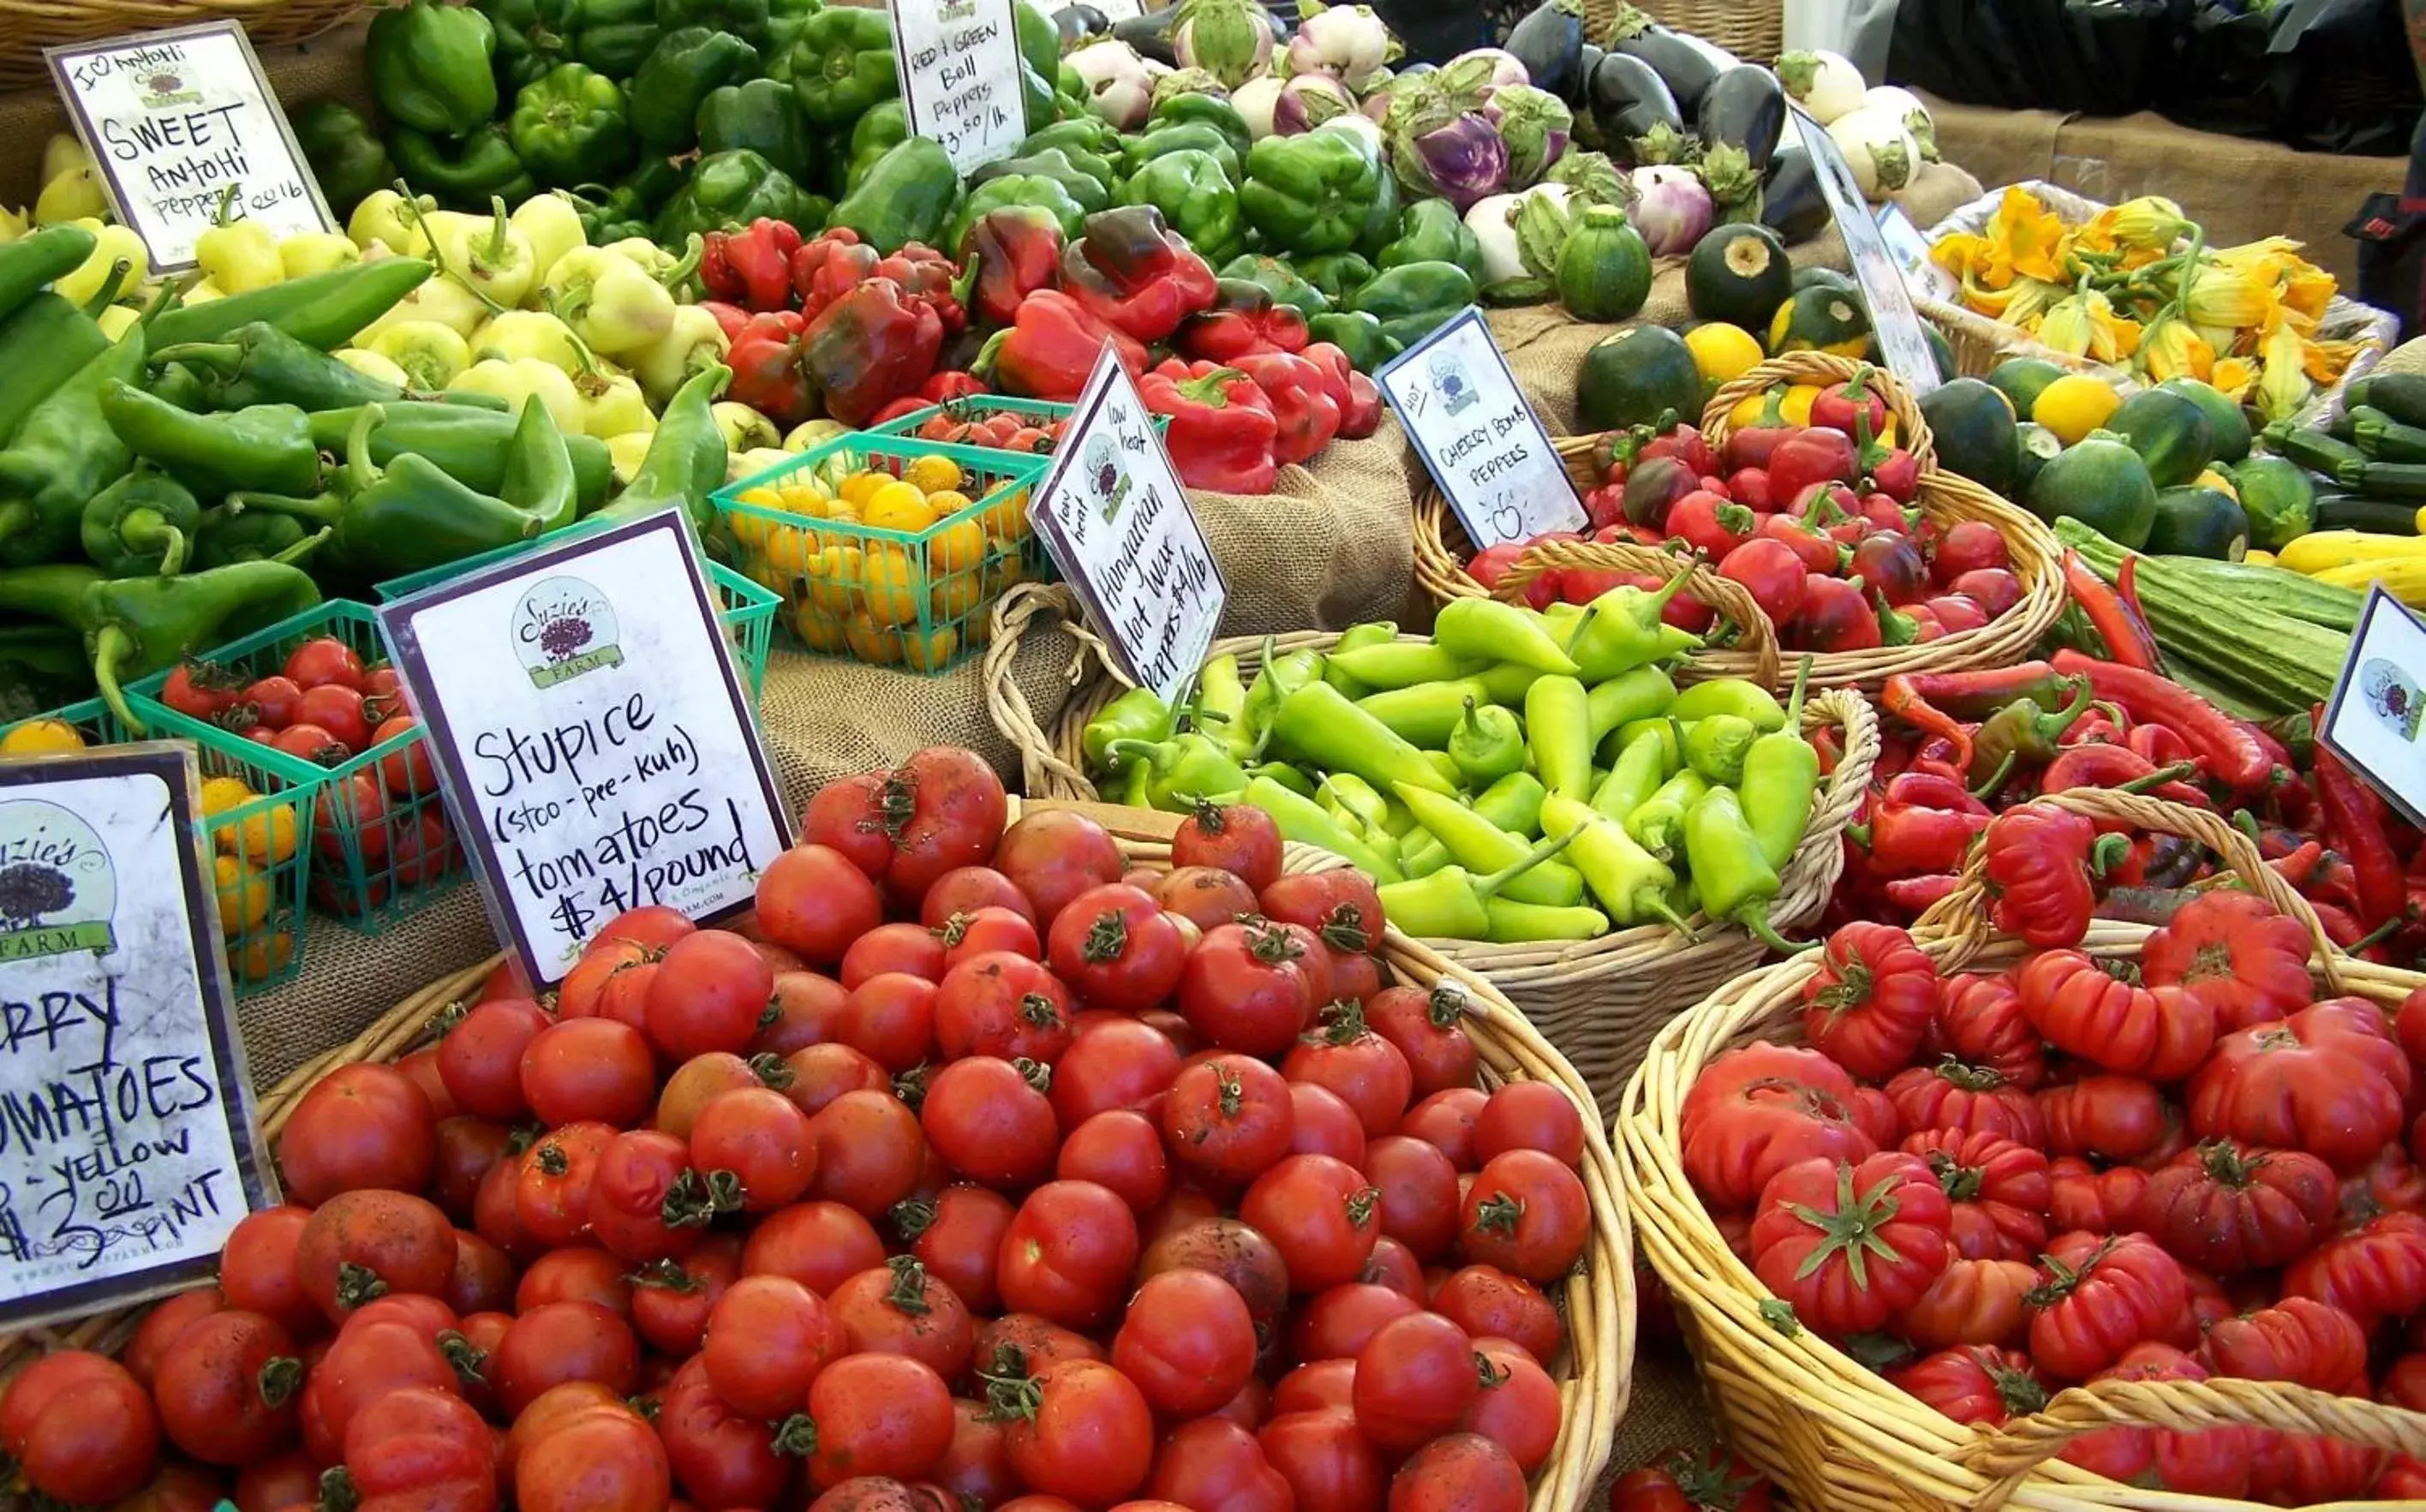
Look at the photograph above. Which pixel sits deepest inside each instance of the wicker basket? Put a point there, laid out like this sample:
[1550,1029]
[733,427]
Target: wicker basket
[28,26]
[1593,1377]
[1832,1433]
[1599,1001]
[1754,30]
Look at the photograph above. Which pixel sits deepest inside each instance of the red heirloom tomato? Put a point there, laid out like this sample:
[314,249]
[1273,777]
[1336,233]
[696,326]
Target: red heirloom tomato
[358,1246]
[1188,1341]
[1336,1323]
[1235,837]
[1428,1028]
[2105,1118]
[1999,1190]
[1971,1302]
[898,1308]
[957,1235]
[820,1244]
[2373,1273]
[590,1069]
[1117,948]
[870,1148]
[1414,1379]
[1320,1213]
[1955,1095]
[1226,1247]
[1870,1002]
[913,948]
[753,1146]
[1975,1383]
[1419,1195]
[671,1298]
[369,1358]
[941,810]
[79,1427]
[1217,1466]
[1227,1118]
[2224,1207]
[162,1325]
[257,1269]
[721,1458]
[2211,1462]
[1079,1429]
[1517,1405]
[1054,854]
[1527,1213]
[967,891]
[2298,1339]
[1684,1480]
[1459,1473]
[561,1342]
[1250,987]
[480,1058]
[1206,897]
[597,1461]
[1980,1016]
[1119,1149]
[2248,963]
[1851,1245]
[418,1447]
[2161,1034]
[708,993]
[812,900]
[359,1126]
[2330,1080]
[1488,1303]
[645,1201]
[975,1465]
[2097,1296]
[2081,1197]
[1068,1254]
[1755,1110]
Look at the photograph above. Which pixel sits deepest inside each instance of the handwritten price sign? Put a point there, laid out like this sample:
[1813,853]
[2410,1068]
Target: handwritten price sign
[126,1149]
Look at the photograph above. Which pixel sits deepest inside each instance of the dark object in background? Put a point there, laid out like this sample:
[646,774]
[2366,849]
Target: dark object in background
[1434,31]
[2390,231]
[2098,58]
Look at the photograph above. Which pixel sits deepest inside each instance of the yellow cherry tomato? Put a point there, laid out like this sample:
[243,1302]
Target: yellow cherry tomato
[948,502]
[820,632]
[956,547]
[266,837]
[877,645]
[957,595]
[931,474]
[41,737]
[790,549]
[857,489]
[261,957]
[893,589]
[835,578]
[244,896]
[897,506]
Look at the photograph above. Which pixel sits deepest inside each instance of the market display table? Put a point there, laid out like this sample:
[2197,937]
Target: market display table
[2238,188]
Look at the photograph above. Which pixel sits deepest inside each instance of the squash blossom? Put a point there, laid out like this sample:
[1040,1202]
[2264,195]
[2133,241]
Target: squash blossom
[2148,223]
[2168,348]
[2219,294]
[2233,378]
[2283,387]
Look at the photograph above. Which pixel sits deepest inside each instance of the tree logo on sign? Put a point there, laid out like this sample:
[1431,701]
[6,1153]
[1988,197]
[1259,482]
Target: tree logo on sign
[564,628]
[58,888]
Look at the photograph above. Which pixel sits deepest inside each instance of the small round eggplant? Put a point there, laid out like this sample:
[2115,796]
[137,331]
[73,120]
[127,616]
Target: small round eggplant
[1745,106]
[1080,25]
[1686,68]
[1791,203]
[1627,97]
[1549,40]
[1150,34]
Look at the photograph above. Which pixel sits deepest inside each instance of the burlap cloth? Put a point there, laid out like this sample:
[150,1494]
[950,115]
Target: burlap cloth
[1331,544]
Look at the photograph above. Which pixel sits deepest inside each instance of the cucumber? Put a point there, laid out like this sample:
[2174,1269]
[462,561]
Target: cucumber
[2020,379]
[2198,522]
[2385,480]
[2313,449]
[2169,432]
[1738,273]
[2403,396]
[2338,511]
[2228,425]
[2385,438]
[1975,431]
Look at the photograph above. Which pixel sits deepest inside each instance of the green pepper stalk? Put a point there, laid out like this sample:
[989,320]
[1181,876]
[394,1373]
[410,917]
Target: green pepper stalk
[1658,824]
[1480,846]
[1730,871]
[143,523]
[1451,903]
[1487,743]
[1558,727]
[1630,881]
[1485,629]
[1781,780]
[1716,747]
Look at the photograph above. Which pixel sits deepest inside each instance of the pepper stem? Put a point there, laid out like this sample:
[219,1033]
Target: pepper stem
[106,296]
[1755,922]
[1996,778]
[1676,921]
[220,356]
[360,470]
[1794,703]
[2178,772]
[111,645]
[1485,886]
[2107,853]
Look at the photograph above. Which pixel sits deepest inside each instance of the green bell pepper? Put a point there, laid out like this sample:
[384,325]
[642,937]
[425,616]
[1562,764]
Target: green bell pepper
[615,37]
[1087,134]
[687,67]
[1015,190]
[842,65]
[143,523]
[569,127]
[745,19]
[1203,109]
[1413,298]
[1357,334]
[1431,230]
[464,175]
[906,197]
[624,210]
[1195,198]
[884,127]
[1187,136]
[763,115]
[1312,193]
[1279,280]
[346,157]
[785,19]
[1039,61]
[1088,178]
[1338,275]
[533,36]
[733,188]
[429,66]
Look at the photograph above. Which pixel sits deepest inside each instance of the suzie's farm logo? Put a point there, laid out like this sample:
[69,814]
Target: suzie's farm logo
[562,628]
[57,890]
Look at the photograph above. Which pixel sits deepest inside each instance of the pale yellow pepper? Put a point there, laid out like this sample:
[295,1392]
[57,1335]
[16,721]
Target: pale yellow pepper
[521,380]
[552,226]
[238,253]
[695,341]
[428,353]
[317,251]
[110,244]
[371,364]
[745,429]
[386,217]
[530,333]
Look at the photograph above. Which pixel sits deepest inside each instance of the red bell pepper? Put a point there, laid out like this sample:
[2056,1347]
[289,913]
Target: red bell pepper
[752,268]
[1050,349]
[1809,457]
[830,266]
[1919,895]
[929,277]
[1359,401]
[1243,320]
[767,371]
[730,317]
[1301,404]
[870,348]
[944,386]
[2118,769]
[1919,822]
[1835,616]
[1135,275]
[1013,251]
[1223,428]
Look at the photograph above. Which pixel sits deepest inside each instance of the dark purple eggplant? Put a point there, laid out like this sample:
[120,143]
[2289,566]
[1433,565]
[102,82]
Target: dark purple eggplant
[1548,41]
[1628,98]
[1150,34]
[1587,59]
[1745,106]
[1791,203]
[1684,67]
[1080,25]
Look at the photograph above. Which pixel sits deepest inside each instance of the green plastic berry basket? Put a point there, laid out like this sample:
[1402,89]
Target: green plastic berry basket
[921,600]
[746,609]
[385,844]
[1041,412]
[260,847]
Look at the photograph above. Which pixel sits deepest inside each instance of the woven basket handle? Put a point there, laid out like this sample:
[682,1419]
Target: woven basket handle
[1963,914]
[1015,615]
[2008,1455]
[1823,369]
[1724,595]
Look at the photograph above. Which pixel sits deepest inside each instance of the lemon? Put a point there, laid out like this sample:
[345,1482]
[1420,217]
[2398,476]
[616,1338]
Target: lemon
[2073,405]
[1721,352]
[41,737]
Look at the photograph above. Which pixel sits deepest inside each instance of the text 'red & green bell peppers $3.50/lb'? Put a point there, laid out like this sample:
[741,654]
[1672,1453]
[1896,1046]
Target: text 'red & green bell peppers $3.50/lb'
[1196,200]
[733,188]
[842,65]
[687,66]
[569,127]
[1316,192]
[1221,426]
[763,115]
[1131,272]
[429,66]
[1413,300]
[907,196]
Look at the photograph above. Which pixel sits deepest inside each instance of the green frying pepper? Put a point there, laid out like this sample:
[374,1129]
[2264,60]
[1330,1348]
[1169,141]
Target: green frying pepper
[346,156]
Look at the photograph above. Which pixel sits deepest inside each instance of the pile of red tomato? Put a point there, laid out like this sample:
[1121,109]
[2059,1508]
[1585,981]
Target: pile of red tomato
[971,1170]
[1995,1185]
[325,706]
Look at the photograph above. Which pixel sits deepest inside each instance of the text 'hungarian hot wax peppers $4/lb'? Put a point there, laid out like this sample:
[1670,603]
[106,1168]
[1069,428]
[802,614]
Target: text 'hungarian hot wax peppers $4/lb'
[1517,776]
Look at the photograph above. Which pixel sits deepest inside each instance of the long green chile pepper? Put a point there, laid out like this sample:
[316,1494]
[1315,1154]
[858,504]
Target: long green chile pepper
[1781,781]
[1630,881]
[1427,714]
[1731,874]
[1514,803]
[1640,768]
[1557,726]
[1300,818]
[1646,692]
[1658,825]
[1480,846]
